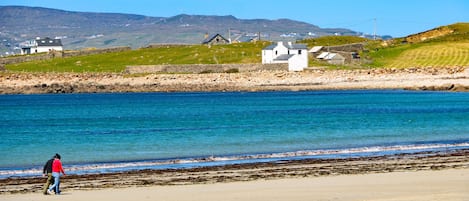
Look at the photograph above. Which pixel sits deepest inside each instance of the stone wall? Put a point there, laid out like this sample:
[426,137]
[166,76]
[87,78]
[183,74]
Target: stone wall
[26,58]
[204,68]
[95,51]
[355,47]
[59,54]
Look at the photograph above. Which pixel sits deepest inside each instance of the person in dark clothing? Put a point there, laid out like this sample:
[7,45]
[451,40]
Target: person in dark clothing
[57,170]
[47,171]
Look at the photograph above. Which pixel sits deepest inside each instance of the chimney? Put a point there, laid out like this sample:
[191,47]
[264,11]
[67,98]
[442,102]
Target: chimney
[206,35]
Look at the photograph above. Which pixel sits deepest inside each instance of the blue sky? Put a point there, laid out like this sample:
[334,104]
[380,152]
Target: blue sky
[393,17]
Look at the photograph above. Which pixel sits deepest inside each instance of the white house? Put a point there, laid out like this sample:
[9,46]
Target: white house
[42,45]
[296,55]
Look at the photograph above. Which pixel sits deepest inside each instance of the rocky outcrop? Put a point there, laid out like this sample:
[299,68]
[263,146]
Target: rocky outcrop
[449,79]
[437,32]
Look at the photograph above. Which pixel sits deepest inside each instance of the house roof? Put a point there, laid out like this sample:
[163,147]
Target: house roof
[315,49]
[284,57]
[323,55]
[289,46]
[45,42]
[211,37]
[295,46]
[270,47]
[243,39]
[334,56]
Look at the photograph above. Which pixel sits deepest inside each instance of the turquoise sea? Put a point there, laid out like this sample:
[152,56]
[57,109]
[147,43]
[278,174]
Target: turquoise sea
[98,133]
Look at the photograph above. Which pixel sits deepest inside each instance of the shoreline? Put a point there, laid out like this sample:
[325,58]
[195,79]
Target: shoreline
[284,169]
[444,79]
[427,185]
[305,179]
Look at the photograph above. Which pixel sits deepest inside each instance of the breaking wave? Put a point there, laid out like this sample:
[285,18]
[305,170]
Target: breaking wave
[108,167]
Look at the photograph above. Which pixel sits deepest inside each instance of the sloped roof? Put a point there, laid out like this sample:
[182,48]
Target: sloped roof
[295,46]
[213,36]
[287,45]
[315,49]
[246,39]
[333,56]
[270,47]
[284,57]
[323,55]
[45,42]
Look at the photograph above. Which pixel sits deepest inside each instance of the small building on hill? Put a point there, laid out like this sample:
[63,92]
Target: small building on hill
[215,39]
[332,58]
[316,50]
[296,55]
[42,45]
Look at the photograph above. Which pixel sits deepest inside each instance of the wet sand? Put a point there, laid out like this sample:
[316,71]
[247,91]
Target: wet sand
[398,186]
[370,174]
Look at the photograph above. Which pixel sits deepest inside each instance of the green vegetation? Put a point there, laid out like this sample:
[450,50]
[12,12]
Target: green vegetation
[332,40]
[116,62]
[447,50]
[451,49]
[432,54]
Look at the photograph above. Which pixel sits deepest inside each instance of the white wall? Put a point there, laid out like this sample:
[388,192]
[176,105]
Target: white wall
[295,63]
[47,48]
[298,62]
[267,56]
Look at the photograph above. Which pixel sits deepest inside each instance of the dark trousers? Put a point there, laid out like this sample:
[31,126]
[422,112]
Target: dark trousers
[50,181]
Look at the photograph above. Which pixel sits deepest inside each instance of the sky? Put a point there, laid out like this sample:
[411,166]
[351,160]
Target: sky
[384,17]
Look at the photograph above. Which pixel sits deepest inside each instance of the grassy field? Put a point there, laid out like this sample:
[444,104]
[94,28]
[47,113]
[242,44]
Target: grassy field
[116,62]
[430,55]
[332,40]
[445,51]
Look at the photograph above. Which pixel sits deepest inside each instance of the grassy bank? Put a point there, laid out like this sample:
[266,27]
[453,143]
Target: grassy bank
[447,50]
[116,62]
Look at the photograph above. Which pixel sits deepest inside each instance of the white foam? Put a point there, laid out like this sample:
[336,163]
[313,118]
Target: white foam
[105,167]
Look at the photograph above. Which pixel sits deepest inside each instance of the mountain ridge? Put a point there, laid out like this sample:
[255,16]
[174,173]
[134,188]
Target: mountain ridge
[90,29]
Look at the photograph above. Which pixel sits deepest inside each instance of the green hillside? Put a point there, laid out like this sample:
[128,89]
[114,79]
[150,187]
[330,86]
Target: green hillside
[332,40]
[440,47]
[450,49]
[116,62]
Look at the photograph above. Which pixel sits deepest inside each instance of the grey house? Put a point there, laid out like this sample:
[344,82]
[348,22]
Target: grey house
[215,39]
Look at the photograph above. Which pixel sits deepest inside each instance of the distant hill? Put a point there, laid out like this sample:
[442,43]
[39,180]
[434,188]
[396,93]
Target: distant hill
[83,29]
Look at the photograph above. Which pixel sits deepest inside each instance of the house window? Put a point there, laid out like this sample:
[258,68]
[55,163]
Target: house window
[288,52]
[276,52]
[299,51]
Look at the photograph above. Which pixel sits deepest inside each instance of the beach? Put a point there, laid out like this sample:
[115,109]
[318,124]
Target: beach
[418,176]
[402,186]
[428,175]
[441,78]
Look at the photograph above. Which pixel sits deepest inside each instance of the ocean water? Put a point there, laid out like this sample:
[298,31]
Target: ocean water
[114,132]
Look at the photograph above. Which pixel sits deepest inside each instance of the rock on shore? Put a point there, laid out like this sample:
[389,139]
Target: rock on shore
[453,79]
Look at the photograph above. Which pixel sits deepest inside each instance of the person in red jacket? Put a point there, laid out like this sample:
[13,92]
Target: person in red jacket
[57,169]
